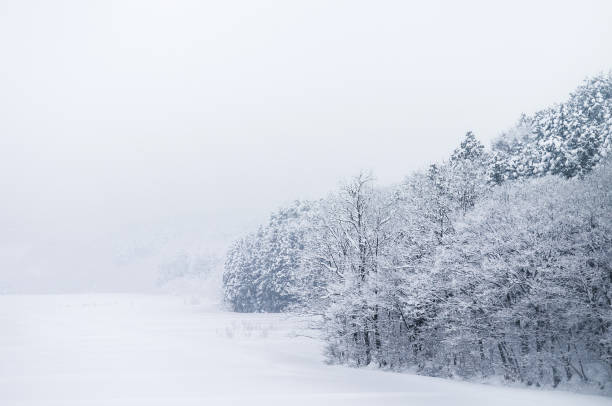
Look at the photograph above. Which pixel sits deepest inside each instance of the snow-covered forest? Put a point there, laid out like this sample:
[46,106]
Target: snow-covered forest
[493,264]
[287,203]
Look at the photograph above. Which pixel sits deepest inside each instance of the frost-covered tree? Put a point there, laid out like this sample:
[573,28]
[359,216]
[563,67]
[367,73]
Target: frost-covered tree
[469,166]
[529,274]
[519,287]
[567,139]
[470,149]
[261,268]
[344,256]
[240,274]
[491,264]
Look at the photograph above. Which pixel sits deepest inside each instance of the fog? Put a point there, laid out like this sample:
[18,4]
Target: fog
[133,130]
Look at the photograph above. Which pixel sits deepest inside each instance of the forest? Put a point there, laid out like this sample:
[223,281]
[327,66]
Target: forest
[493,264]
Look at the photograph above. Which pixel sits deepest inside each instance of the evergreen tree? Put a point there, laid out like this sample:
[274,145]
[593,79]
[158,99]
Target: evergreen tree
[568,139]
[261,268]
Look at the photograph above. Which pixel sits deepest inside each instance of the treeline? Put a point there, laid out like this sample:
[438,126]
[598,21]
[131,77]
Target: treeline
[484,265]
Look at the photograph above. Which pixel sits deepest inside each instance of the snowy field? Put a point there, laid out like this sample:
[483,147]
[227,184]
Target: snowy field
[165,350]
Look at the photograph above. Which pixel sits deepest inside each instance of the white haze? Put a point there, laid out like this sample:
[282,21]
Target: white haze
[130,130]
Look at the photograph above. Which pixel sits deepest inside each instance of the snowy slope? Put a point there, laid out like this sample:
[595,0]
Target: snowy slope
[163,350]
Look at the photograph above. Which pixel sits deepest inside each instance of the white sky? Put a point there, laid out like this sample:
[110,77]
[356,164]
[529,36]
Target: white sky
[121,121]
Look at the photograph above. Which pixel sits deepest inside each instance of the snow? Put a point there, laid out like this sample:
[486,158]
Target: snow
[119,349]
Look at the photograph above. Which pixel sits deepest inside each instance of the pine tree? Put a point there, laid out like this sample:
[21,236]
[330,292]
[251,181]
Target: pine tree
[568,139]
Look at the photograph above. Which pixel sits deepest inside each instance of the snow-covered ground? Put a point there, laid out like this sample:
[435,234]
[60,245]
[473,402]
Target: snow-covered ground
[164,350]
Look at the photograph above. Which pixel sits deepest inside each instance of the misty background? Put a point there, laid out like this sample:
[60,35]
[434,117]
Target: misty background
[133,131]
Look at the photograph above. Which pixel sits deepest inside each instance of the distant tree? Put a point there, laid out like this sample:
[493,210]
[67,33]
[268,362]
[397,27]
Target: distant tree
[261,268]
[469,169]
[568,139]
[470,149]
